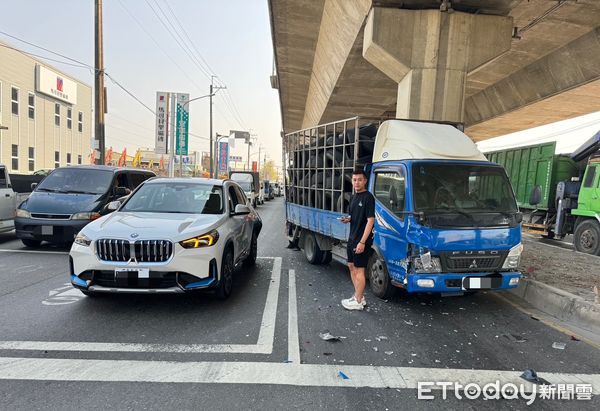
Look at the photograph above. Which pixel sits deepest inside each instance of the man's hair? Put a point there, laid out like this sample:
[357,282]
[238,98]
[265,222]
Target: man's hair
[360,171]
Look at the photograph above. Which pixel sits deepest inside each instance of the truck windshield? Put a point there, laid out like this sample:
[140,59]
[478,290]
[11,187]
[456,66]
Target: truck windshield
[77,180]
[463,195]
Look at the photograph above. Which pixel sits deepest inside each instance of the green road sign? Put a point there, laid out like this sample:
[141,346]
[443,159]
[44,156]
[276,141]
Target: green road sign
[182,125]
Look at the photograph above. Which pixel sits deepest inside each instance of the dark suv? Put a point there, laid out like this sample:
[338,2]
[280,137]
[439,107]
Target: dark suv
[69,198]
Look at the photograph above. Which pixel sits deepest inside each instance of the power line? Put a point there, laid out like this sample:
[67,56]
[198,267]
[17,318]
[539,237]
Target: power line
[195,58]
[129,92]
[84,64]
[174,37]
[187,49]
[45,49]
[43,57]
[137,21]
[188,37]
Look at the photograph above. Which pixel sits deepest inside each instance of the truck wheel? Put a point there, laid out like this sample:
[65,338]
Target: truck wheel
[327,257]
[313,253]
[31,243]
[379,278]
[587,237]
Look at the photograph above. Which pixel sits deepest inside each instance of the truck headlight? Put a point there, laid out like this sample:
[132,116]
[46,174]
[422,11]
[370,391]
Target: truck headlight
[85,216]
[204,240]
[425,263]
[23,213]
[514,257]
[81,239]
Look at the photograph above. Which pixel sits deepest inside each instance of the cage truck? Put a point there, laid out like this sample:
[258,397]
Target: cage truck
[446,218]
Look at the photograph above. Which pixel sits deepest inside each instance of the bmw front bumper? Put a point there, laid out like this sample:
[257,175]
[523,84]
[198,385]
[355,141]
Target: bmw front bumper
[186,270]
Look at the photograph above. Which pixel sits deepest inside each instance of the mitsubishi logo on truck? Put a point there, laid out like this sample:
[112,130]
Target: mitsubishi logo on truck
[473,264]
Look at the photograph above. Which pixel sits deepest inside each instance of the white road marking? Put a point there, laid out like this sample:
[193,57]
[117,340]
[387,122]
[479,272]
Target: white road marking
[264,344]
[293,338]
[266,335]
[59,297]
[33,252]
[49,369]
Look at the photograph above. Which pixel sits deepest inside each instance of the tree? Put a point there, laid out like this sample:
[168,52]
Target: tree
[268,172]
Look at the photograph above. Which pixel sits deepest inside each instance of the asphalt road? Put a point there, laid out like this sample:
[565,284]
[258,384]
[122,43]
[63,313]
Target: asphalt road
[261,348]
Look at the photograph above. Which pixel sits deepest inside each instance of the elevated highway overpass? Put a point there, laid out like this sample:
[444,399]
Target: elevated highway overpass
[499,66]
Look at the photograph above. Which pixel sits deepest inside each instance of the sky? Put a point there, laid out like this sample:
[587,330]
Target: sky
[230,39]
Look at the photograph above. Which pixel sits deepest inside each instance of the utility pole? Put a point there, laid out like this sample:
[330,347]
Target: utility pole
[213,168]
[249,144]
[99,106]
[211,130]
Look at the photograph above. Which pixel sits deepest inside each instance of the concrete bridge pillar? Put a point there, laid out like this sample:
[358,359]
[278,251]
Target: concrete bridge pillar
[429,54]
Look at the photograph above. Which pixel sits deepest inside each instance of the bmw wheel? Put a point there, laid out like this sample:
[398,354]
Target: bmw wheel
[251,259]
[226,280]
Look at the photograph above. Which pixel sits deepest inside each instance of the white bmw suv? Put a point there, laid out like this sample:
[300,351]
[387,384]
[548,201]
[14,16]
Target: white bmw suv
[169,236]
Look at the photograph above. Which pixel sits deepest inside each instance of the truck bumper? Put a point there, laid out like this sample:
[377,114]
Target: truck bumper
[461,282]
[61,231]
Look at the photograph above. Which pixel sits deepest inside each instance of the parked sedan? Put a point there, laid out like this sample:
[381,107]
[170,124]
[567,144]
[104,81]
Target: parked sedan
[169,236]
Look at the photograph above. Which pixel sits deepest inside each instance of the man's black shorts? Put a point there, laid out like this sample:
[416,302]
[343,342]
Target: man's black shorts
[359,260]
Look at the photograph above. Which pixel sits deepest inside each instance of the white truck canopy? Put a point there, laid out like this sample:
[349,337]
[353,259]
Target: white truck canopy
[403,140]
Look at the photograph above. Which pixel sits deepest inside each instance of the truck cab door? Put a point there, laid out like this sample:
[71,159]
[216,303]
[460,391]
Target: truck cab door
[7,197]
[589,195]
[388,186]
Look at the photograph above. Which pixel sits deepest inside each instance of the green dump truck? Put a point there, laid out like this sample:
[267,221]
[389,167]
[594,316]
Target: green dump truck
[558,194]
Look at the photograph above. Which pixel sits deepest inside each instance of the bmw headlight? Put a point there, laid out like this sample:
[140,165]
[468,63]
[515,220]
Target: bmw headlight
[425,263]
[81,239]
[85,216]
[204,240]
[513,258]
[23,213]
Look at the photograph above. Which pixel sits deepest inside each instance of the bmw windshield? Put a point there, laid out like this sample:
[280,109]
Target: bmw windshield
[463,195]
[183,198]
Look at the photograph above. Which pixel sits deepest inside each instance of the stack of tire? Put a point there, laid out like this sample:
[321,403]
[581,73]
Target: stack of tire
[318,170]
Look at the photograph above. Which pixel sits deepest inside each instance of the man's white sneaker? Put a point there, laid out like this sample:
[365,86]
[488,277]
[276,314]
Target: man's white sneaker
[352,304]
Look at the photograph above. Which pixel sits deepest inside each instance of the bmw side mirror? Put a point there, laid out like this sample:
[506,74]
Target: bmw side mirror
[33,186]
[113,205]
[241,209]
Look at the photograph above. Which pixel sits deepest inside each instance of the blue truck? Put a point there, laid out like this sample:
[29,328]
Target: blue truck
[446,219]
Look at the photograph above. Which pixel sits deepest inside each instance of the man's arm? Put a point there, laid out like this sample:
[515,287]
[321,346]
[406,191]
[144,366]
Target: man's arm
[368,230]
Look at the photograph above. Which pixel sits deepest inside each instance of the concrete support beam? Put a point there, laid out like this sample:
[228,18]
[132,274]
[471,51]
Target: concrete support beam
[429,54]
[571,67]
[341,22]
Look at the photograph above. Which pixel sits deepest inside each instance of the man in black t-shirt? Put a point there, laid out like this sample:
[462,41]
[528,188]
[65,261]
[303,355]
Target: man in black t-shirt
[361,219]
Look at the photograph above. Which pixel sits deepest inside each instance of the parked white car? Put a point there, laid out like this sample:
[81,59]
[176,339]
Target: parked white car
[169,236]
[9,201]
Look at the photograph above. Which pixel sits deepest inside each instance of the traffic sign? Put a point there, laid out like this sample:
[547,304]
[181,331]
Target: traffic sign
[182,126]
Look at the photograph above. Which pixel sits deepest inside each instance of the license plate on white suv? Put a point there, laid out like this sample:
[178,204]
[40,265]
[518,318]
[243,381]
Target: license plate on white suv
[137,272]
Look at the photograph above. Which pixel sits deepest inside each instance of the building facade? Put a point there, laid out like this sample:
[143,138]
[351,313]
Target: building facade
[45,114]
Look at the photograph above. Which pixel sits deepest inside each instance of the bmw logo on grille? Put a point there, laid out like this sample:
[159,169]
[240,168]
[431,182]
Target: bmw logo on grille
[135,235]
